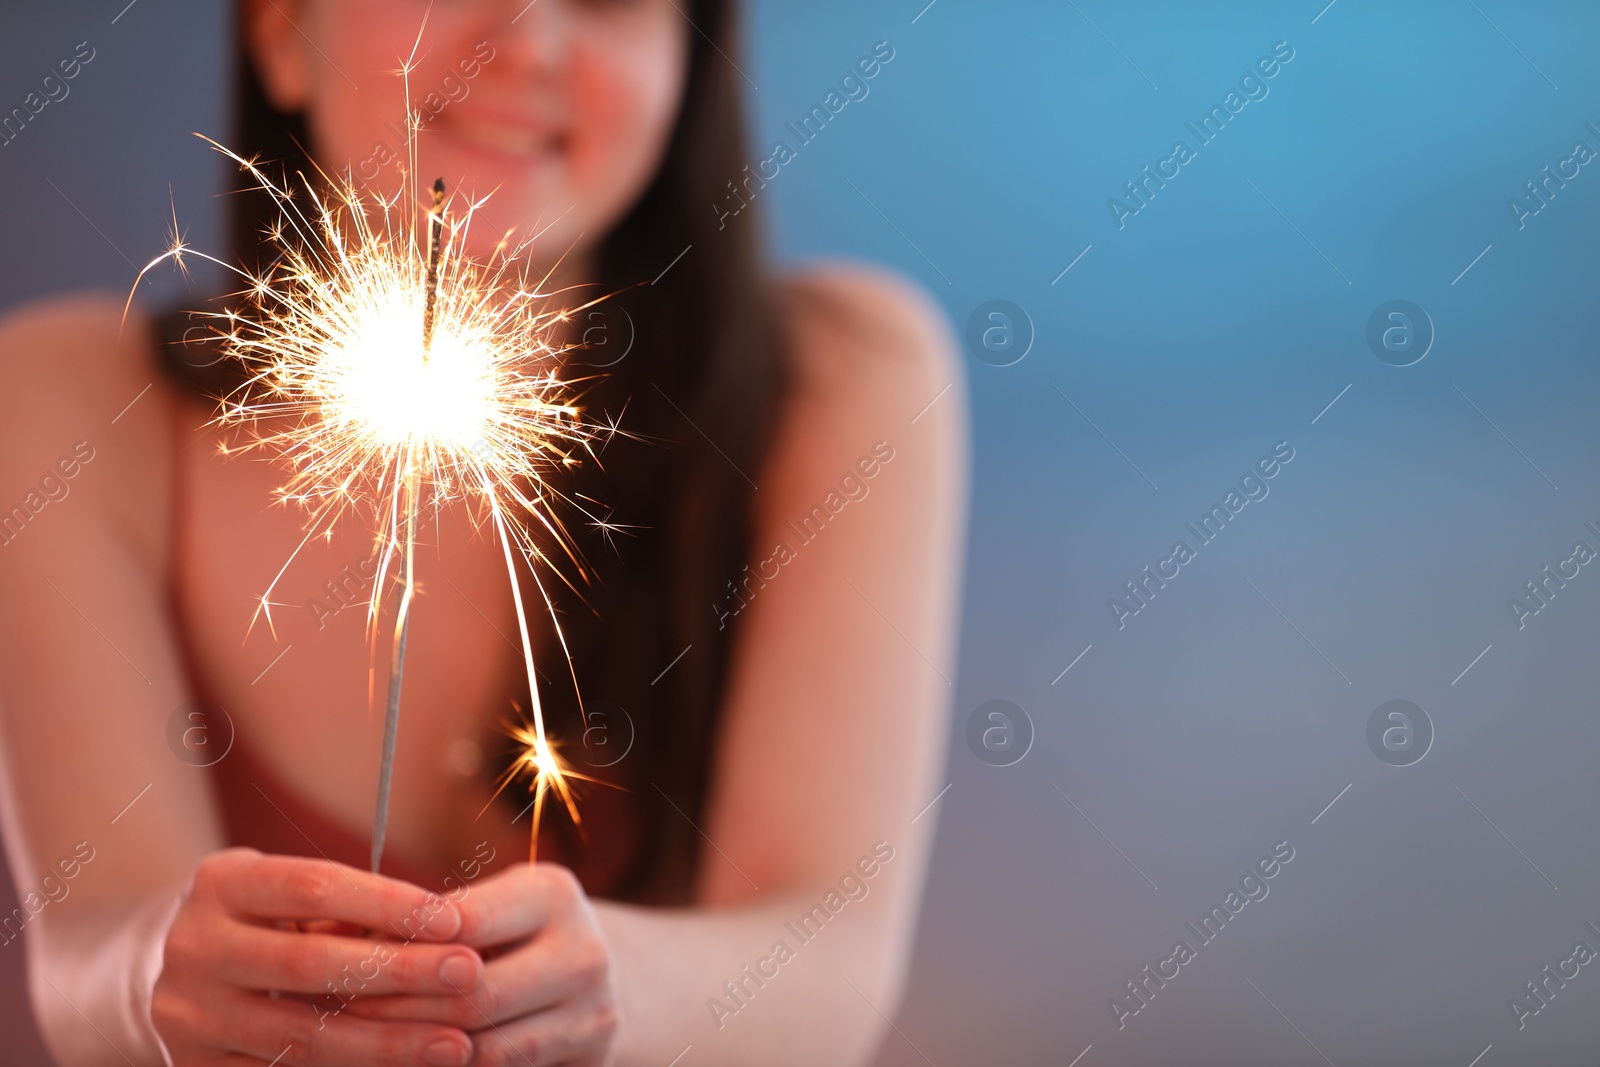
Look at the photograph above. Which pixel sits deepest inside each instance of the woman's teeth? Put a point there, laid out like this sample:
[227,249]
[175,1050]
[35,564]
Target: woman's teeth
[505,138]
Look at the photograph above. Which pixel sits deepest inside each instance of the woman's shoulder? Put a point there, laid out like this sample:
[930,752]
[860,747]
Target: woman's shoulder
[72,350]
[78,374]
[875,371]
[866,327]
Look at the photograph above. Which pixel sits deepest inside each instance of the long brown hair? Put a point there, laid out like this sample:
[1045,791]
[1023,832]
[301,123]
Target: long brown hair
[707,341]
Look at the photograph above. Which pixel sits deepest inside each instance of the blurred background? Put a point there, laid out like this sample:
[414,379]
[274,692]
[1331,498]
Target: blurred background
[1141,360]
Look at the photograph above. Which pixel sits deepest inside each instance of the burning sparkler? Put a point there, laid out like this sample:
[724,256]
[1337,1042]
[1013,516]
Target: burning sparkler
[395,381]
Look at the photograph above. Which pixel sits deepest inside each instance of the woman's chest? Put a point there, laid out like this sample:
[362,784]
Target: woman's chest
[282,634]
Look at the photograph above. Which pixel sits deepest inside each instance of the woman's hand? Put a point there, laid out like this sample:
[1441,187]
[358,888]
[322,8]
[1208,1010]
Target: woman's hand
[240,934]
[547,995]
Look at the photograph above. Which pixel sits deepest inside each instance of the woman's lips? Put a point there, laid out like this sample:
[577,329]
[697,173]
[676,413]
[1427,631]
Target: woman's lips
[509,138]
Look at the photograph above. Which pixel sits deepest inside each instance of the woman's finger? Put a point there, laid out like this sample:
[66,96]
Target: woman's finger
[303,1035]
[248,883]
[515,904]
[579,1035]
[551,952]
[255,957]
[532,977]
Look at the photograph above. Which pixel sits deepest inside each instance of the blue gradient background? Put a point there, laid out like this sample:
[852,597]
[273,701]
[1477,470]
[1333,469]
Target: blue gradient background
[1211,726]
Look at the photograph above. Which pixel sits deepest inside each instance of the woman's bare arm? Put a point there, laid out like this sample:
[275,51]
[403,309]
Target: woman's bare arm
[834,731]
[88,669]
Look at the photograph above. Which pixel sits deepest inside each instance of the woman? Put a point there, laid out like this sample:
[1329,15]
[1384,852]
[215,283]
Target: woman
[772,623]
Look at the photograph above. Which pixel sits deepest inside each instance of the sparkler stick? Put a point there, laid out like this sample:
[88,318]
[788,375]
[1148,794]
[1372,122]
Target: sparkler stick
[435,233]
[397,664]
